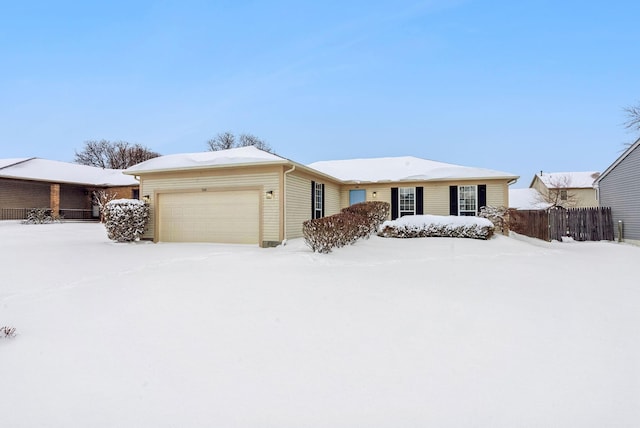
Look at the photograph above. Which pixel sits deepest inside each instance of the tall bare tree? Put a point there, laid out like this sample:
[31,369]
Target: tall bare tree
[114,155]
[227,140]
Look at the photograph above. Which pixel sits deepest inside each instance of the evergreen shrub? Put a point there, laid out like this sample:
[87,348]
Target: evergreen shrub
[126,219]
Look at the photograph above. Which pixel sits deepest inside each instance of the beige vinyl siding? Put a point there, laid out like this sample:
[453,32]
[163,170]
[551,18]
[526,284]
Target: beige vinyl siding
[264,179]
[383,193]
[435,194]
[298,204]
[539,185]
[436,198]
[331,199]
[584,197]
[581,197]
[497,194]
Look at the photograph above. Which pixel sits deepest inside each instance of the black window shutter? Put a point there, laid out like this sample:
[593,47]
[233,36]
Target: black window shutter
[419,200]
[322,200]
[482,196]
[313,199]
[394,203]
[453,200]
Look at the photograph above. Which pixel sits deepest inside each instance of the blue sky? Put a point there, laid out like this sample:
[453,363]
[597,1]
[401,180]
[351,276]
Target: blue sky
[517,86]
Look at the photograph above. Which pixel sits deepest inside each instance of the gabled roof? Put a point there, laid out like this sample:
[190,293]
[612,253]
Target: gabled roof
[571,180]
[405,168]
[617,161]
[63,172]
[222,158]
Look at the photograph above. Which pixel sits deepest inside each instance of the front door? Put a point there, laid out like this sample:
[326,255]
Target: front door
[356,196]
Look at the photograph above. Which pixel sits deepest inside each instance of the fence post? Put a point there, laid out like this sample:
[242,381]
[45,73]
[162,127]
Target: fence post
[620,239]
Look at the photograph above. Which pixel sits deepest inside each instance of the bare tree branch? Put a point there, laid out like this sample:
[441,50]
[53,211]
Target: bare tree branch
[633,117]
[223,141]
[114,155]
[227,140]
[101,198]
[558,192]
[252,140]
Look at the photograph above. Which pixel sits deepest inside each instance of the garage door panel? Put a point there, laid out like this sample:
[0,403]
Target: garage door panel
[228,217]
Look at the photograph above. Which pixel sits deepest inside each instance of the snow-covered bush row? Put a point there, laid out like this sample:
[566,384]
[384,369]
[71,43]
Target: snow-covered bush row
[324,234]
[40,216]
[357,221]
[375,212]
[421,226]
[126,219]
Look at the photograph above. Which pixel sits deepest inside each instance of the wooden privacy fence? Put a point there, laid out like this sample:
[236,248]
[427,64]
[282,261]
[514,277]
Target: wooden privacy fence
[581,224]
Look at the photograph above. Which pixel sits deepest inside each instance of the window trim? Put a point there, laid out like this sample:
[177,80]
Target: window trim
[402,212]
[461,193]
[318,193]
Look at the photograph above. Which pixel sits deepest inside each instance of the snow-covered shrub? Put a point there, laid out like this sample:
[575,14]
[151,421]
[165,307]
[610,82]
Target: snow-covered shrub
[40,216]
[355,222]
[324,234]
[497,215]
[374,212]
[7,332]
[126,219]
[422,226]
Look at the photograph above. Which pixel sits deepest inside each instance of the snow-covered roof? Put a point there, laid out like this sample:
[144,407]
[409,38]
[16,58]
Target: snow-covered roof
[231,157]
[406,168]
[573,180]
[526,199]
[11,161]
[63,172]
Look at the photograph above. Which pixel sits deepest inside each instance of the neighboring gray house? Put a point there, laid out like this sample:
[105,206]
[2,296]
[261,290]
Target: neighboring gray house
[619,188]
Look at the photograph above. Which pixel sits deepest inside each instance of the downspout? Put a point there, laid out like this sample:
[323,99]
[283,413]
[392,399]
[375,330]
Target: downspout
[284,202]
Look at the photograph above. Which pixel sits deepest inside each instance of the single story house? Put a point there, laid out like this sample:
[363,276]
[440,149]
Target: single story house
[619,188]
[566,189]
[65,188]
[246,195]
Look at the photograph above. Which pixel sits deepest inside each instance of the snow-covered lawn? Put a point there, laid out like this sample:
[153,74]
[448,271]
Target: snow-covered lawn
[431,332]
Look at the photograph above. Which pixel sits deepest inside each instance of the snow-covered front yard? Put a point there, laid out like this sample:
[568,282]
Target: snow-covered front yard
[431,332]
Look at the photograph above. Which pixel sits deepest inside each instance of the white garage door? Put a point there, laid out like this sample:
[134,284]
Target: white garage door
[227,217]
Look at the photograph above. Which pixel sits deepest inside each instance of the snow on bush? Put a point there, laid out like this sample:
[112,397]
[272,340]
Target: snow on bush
[497,216]
[324,234]
[126,219]
[375,212]
[421,226]
[7,332]
[352,223]
[40,216]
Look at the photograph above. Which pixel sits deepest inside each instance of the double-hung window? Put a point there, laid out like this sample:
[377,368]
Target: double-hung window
[467,200]
[318,198]
[407,201]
